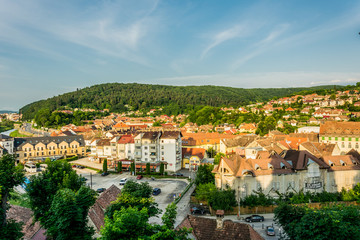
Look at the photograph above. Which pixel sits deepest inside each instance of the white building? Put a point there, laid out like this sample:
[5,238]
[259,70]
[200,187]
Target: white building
[6,144]
[170,149]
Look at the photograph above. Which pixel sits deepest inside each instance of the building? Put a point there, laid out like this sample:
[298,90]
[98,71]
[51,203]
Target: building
[40,148]
[345,134]
[155,147]
[192,158]
[6,144]
[290,171]
[209,228]
[230,145]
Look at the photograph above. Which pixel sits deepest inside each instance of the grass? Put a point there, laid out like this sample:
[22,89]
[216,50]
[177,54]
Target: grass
[20,199]
[17,134]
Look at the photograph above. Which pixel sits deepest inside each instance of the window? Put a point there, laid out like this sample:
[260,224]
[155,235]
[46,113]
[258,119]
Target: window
[276,185]
[145,153]
[342,144]
[349,145]
[357,139]
[145,148]
[162,147]
[342,139]
[336,138]
[329,138]
[356,145]
[162,153]
[323,138]
[349,138]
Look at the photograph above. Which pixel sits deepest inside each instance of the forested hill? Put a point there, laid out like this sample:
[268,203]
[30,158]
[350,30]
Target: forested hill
[144,96]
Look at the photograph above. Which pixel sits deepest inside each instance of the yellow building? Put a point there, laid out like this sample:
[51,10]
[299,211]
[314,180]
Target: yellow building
[40,148]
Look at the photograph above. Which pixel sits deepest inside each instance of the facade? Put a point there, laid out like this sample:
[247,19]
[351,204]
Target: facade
[345,134]
[40,148]
[290,171]
[156,147]
[192,158]
[6,144]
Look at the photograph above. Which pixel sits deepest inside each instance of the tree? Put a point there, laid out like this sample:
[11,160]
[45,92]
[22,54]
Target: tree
[217,158]
[10,176]
[223,199]
[147,169]
[43,187]
[204,191]
[161,168]
[68,214]
[132,166]
[105,165]
[139,190]
[333,222]
[204,174]
[126,200]
[211,152]
[119,168]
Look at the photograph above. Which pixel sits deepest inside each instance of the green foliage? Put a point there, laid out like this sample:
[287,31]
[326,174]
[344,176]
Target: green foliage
[132,167]
[218,157]
[211,152]
[223,199]
[173,99]
[126,200]
[6,125]
[257,199]
[132,223]
[204,175]
[162,169]
[119,168]
[204,191]
[139,190]
[43,187]
[105,165]
[335,222]
[67,218]
[147,169]
[20,199]
[10,176]
[268,124]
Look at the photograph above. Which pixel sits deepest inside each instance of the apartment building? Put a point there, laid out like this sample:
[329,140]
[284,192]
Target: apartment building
[6,144]
[40,148]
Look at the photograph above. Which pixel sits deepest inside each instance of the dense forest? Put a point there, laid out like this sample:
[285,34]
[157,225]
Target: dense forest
[116,96]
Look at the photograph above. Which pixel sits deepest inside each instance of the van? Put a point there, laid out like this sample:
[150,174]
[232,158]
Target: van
[156,191]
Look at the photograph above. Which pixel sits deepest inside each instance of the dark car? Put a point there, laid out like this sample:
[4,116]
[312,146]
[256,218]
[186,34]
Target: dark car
[178,174]
[255,218]
[84,179]
[139,177]
[196,210]
[270,231]
[81,167]
[156,191]
[100,190]
[104,174]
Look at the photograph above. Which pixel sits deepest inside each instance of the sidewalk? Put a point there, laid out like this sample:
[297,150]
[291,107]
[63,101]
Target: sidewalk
[87,163]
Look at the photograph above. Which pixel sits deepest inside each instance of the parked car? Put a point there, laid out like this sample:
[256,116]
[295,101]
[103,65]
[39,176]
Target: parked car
[156,191]
[104,174]
[178,174]
[270,231]
[196,210]
[84,179]
[123,181]
[139,177]
[254,218]
[81,167]
[100,190]
[74,166]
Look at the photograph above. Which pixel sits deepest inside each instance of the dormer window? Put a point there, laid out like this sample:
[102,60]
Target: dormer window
[331,163]
[282,165]
[257,167]
[270,166]
[342,163]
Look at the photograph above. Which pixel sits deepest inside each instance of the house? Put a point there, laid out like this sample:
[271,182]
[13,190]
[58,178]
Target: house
[229,145]
[247,128]
[290,171]
[6,144]
[320,150]
[204,140]
[214,229]
[192,157]
[345,134]
[97,211]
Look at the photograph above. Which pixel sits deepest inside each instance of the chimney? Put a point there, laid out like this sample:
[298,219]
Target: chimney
[219,219]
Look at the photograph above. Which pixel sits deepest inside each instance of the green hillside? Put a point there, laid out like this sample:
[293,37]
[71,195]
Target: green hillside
[144,96]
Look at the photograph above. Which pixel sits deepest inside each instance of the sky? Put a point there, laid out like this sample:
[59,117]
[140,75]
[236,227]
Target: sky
[52,47]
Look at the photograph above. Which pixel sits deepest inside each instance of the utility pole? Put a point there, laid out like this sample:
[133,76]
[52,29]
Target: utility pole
[239,202]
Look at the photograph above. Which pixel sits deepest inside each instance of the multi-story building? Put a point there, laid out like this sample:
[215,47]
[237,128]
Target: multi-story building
[126,147]
[40,148]
[291,171]
[156,147]
[345,134]
[6,144]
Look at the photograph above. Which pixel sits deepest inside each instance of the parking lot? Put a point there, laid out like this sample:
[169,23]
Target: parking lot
[169,187]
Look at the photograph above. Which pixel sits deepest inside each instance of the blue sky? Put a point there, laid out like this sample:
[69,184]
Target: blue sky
[52,47]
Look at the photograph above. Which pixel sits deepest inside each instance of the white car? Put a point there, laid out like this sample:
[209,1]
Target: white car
[123,181]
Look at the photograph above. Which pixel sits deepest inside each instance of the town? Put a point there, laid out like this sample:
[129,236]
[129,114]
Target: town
[308,146]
